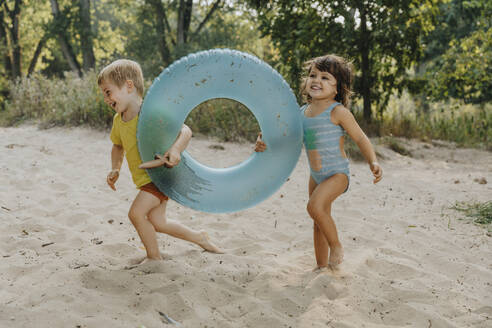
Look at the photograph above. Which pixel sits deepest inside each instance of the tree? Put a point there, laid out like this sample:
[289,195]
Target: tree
[458,61]
[179,38]
[14,49]
[464,71]
[381,37]
[10,36]
[86,44]
[61,23]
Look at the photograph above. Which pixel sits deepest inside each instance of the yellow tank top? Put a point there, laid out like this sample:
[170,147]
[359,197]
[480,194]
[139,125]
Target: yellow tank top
[125,134]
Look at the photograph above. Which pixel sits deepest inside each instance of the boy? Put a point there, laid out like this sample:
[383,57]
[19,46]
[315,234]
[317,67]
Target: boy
[121,82]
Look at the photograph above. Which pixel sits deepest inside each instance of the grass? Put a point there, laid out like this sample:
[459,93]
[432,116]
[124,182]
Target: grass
[57,102]
[410,117]
[396,146]
[481,213]
[77,101]
[226,119]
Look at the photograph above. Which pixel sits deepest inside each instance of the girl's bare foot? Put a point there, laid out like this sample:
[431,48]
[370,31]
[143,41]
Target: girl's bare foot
[336,256]
[207,245]
[320,268]
[150,259]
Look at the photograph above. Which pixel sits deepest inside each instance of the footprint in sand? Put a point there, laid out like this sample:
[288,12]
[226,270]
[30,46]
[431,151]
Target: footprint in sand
[323,285]
[248,250]
[279,236]
[222,226]
[59,186]
[392,269]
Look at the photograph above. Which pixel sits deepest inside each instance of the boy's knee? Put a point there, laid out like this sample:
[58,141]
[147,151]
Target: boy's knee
[134,216]
[155,219]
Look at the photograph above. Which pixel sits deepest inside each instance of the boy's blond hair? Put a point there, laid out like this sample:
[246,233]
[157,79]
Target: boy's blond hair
[121,70]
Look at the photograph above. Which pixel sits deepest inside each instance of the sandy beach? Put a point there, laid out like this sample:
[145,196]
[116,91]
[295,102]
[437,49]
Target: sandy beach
[67,247]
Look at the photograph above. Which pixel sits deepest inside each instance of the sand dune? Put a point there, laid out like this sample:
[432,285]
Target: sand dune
[67,248]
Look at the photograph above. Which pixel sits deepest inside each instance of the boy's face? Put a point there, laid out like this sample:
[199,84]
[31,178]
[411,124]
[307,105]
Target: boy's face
[320,85]
[117,98]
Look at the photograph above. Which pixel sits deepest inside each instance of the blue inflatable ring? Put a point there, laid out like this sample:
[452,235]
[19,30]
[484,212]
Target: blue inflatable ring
[221,73]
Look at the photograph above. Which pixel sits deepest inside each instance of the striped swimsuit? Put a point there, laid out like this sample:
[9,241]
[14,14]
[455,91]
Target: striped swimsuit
[322,142]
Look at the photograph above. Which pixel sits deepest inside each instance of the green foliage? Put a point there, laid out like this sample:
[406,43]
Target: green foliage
[67,101]
[225,119]
[75,101]
[457,19]
[452,120]
[390,42]
[396,146]
[225,29]
[458,57]
[78,101]
[480,212]
[465,70]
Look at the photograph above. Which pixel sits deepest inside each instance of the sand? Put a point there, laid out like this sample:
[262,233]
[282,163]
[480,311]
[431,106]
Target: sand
[66,244]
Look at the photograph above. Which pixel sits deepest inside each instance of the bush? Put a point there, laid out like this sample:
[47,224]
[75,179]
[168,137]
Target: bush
[467,125]
[52,102]
[78,101]
[226,119]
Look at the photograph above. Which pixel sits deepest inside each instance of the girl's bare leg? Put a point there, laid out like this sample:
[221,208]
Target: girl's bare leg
[157,218]
[319,208]
[143,204]
[321,246]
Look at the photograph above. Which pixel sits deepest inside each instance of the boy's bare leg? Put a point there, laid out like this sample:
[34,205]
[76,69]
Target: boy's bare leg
[157,217]
[141,206]
[319,208]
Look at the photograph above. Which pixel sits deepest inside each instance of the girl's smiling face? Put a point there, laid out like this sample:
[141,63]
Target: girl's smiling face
[321,85]
[117,98]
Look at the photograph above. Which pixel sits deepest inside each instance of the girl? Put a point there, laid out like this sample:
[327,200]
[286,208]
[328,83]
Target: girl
[325,117]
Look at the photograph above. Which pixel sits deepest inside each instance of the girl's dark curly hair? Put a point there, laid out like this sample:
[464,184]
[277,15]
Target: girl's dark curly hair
[337,66]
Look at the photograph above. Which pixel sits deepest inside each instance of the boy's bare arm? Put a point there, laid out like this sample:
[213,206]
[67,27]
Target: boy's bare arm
[117,153]
[182,140]
[172,157]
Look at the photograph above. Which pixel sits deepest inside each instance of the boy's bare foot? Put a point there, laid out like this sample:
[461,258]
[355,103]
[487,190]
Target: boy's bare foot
[139,261]
[207,245]
[336,256]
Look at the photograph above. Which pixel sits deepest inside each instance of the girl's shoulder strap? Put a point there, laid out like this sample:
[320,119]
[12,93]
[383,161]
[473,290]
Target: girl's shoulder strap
[335,104]
[303,108]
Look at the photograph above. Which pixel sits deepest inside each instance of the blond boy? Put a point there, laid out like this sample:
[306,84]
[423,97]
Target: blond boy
[121,83]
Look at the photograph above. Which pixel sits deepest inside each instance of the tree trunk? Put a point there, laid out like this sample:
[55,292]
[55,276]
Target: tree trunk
[35,57]
[14,53]
[4,44]
[63,41]
[365,64]
[184,20]
[215,6]
[161,30]
[89,61]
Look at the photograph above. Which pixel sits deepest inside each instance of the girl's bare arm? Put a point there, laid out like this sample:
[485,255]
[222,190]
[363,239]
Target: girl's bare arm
[344,117]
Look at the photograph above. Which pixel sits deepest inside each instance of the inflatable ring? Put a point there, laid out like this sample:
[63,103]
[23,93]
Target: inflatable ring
[221,73]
